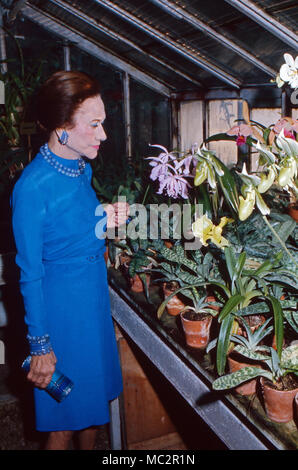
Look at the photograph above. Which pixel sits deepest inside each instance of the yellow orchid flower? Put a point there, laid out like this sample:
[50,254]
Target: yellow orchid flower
[204,229]
[267,180]
[246,206]
[201,174]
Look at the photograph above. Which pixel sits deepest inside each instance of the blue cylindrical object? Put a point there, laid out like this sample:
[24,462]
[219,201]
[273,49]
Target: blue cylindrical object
[60,385]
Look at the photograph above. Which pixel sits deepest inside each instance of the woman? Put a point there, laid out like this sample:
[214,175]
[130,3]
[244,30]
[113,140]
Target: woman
[60,245]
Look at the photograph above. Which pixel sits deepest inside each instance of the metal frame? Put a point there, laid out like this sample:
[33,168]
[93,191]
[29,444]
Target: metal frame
[55,26]
[234,430]
[181,13]
[254,12]
[97,25]
[164,39]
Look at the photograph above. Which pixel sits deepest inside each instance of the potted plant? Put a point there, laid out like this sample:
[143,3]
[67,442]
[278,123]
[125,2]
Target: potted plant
[243,292]
[187,272]
[196,322]
[279,384]
[252,341]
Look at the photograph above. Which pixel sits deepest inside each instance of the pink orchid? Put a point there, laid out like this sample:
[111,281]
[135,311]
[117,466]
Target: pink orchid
[160,165]
[175,186]
[241,140]
[186,162]
[288,127]
[242,129]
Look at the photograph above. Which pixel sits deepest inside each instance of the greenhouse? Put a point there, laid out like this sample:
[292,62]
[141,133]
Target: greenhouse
[148,225]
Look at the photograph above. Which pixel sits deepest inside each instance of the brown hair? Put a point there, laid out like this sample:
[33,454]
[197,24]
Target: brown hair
[60,96]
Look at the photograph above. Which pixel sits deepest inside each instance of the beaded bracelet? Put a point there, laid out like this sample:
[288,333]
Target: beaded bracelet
[39,345]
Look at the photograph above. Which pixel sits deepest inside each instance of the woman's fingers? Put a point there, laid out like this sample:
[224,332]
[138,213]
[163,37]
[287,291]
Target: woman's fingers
[42,369]
[117,213]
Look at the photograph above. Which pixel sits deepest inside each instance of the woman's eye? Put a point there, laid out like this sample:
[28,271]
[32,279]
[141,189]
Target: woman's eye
[94,125]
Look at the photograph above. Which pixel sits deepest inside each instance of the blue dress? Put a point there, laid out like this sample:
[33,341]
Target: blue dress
[59,225]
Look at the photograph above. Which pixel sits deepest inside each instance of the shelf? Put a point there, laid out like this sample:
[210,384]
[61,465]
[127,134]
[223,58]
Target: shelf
[240,422]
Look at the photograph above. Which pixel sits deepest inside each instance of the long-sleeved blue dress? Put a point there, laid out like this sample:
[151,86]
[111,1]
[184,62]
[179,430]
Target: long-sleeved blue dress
[59,225]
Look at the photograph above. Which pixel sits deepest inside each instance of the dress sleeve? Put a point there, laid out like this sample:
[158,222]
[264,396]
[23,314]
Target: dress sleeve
[28,219]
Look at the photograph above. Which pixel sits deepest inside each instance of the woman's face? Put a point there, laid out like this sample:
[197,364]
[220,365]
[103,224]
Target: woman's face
[87,133]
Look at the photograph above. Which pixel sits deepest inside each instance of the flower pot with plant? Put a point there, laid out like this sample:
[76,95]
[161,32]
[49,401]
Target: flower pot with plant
[187,272]
[252,342]
[196,322]
[279,384]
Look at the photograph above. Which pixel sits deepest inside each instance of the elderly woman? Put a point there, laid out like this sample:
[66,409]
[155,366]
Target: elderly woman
[63,279]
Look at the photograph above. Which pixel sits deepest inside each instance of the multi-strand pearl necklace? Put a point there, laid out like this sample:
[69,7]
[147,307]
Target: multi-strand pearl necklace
[45,152]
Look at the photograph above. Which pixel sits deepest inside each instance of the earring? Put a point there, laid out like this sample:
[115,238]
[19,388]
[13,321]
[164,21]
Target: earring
[63,139]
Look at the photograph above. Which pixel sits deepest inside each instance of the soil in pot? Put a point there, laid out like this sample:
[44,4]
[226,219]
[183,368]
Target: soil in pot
[174,305]
[279,398]
[196,327]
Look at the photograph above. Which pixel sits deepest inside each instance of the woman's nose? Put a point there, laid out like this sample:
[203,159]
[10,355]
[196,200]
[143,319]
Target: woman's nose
[102,134]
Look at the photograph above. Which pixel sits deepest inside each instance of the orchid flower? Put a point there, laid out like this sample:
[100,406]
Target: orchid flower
[175,185]
[168,170]
[250,195]
[207,168]
[267,180]
[289,71]
[288,125]
[288,146]
[204,229]
[242,129]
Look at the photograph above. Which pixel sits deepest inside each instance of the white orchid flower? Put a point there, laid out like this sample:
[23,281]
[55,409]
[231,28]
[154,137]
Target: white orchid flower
[267,180]
[249,180]
[289,146]
[289,71]
[269,156]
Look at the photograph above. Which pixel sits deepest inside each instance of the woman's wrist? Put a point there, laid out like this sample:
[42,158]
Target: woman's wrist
[39,345]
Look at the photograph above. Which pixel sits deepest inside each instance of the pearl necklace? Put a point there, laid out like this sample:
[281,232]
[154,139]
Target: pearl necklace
[45,152]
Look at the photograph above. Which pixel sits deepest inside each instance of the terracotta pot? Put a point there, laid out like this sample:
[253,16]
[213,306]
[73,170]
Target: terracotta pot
[168,244]
[296,408]
[210,299]
[279,404]
[124,259]
[174,305]
[249,387]
[136,284]
[293,211]
[197,332]
[254,322]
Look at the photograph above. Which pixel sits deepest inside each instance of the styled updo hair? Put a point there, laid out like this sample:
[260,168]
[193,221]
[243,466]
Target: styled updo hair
[59,97]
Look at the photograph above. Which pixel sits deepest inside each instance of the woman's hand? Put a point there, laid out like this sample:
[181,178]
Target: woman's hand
[117,214]
[42,369]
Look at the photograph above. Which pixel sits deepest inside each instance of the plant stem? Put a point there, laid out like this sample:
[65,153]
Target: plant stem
[145,195]
[280,240]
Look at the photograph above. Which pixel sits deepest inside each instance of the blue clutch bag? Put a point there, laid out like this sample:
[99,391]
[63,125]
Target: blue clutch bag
[59,387]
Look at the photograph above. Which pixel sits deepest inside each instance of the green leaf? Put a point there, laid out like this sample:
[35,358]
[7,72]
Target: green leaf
[221,136]
[251,354]
[228,186]
[236,378]
[230,306]
[223,343]
[278,323]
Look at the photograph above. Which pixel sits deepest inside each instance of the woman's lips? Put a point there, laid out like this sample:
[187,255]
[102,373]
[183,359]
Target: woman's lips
[95,147]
